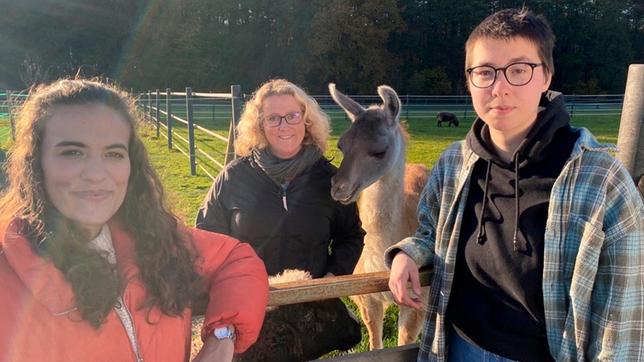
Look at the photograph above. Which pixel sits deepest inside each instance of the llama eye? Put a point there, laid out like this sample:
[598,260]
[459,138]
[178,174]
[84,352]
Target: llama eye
[378,155]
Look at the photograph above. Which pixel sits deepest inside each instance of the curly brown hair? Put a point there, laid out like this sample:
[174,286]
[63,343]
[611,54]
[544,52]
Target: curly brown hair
[165,259]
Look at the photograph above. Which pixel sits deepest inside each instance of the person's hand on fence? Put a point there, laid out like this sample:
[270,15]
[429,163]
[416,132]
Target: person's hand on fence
[403,270]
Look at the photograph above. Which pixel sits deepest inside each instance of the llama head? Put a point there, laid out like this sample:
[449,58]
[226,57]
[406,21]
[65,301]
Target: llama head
[371,146]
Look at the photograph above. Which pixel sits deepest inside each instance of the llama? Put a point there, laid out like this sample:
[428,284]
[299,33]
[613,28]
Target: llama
[447,117]
[303,331]
[374,167]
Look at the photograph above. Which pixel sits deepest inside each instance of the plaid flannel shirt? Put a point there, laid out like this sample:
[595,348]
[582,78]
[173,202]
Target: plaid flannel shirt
[593,274]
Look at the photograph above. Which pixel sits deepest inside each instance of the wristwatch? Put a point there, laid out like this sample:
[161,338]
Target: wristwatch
[225,332]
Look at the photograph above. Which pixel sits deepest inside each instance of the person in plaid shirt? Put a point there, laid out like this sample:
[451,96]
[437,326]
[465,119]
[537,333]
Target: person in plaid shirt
[533,229]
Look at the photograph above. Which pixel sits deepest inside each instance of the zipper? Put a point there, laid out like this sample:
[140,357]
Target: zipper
[120,306]
[284,186]
[284,202]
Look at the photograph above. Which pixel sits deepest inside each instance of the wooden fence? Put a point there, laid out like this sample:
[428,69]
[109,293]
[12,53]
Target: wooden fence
[152,104]
[343,286]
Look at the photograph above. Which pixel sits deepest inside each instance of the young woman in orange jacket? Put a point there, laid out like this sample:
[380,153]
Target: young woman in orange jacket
[93,265]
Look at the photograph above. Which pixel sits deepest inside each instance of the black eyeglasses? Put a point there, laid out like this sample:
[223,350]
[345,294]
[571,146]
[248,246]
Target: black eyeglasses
[517,74]
[275,120]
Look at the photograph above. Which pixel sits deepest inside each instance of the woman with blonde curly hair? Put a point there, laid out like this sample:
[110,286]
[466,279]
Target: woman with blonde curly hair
[277,195]
[93,264]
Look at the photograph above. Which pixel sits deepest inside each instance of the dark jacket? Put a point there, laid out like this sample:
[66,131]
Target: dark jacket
[300,227]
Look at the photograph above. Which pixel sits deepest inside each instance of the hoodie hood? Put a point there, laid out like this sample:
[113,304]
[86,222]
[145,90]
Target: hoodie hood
[532,150]
[551,117]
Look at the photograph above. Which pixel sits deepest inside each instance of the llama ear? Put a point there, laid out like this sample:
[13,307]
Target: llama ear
[351,107]
[391,103]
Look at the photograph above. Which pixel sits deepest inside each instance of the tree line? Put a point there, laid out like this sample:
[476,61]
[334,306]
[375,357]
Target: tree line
[414,45]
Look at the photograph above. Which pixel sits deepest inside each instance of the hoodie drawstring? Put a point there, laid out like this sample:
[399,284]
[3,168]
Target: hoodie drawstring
[515,241]
[482,237]
[519,246]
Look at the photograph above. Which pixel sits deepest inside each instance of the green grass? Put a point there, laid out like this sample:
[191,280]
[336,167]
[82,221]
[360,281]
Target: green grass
[5,132]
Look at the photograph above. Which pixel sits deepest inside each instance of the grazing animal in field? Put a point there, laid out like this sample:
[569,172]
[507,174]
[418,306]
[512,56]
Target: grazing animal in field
[303,331]
[448,117]
[373,166]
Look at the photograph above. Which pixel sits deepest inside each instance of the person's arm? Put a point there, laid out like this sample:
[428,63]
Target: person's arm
[213,214]
[405,257]
[237,283]
[348,240]
[215,350]
[617,293]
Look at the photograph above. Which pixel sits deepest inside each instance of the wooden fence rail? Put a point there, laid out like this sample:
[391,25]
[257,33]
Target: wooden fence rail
[343,286]
[150,103]
[333,287]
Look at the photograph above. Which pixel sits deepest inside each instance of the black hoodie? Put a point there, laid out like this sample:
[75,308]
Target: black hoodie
[497,300]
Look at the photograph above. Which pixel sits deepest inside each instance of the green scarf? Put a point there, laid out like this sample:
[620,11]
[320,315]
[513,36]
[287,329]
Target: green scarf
[283,170]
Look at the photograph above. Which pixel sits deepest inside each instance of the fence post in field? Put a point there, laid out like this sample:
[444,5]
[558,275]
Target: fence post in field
[149,104]
[156,109]
[168,110]
[631,126]
[235,92]
[407,106]
[465,108]
[10,113]
[191,131]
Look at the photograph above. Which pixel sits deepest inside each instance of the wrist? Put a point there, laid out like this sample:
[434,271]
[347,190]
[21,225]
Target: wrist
[224,333]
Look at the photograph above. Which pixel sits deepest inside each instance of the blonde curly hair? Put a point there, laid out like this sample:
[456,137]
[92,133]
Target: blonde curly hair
[250,134]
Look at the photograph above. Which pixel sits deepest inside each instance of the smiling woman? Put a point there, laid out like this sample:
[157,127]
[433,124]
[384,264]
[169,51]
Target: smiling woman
[85,163]
[277,195]
[95,262]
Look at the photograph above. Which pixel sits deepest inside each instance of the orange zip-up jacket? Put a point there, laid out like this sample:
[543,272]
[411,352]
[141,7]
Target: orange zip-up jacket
[38,321]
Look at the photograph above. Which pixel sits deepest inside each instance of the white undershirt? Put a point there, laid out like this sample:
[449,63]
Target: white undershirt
[103,243]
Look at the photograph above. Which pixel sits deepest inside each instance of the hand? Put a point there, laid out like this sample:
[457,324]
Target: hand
[403,270]
[215,350]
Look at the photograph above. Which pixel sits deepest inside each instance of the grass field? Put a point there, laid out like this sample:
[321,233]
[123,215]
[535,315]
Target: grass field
[186,192]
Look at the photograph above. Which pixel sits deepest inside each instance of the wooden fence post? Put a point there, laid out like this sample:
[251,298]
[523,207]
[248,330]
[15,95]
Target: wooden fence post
[149,104]
[191,132]
[464,110]
[157,112]
[10,113]
[631,126]
[236,102]
[168,110]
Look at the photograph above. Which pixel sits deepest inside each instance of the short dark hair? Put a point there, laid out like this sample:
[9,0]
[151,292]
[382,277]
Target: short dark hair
[512,23]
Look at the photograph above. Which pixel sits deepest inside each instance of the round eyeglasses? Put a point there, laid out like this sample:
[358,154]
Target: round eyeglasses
[275,120]
[517,74]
